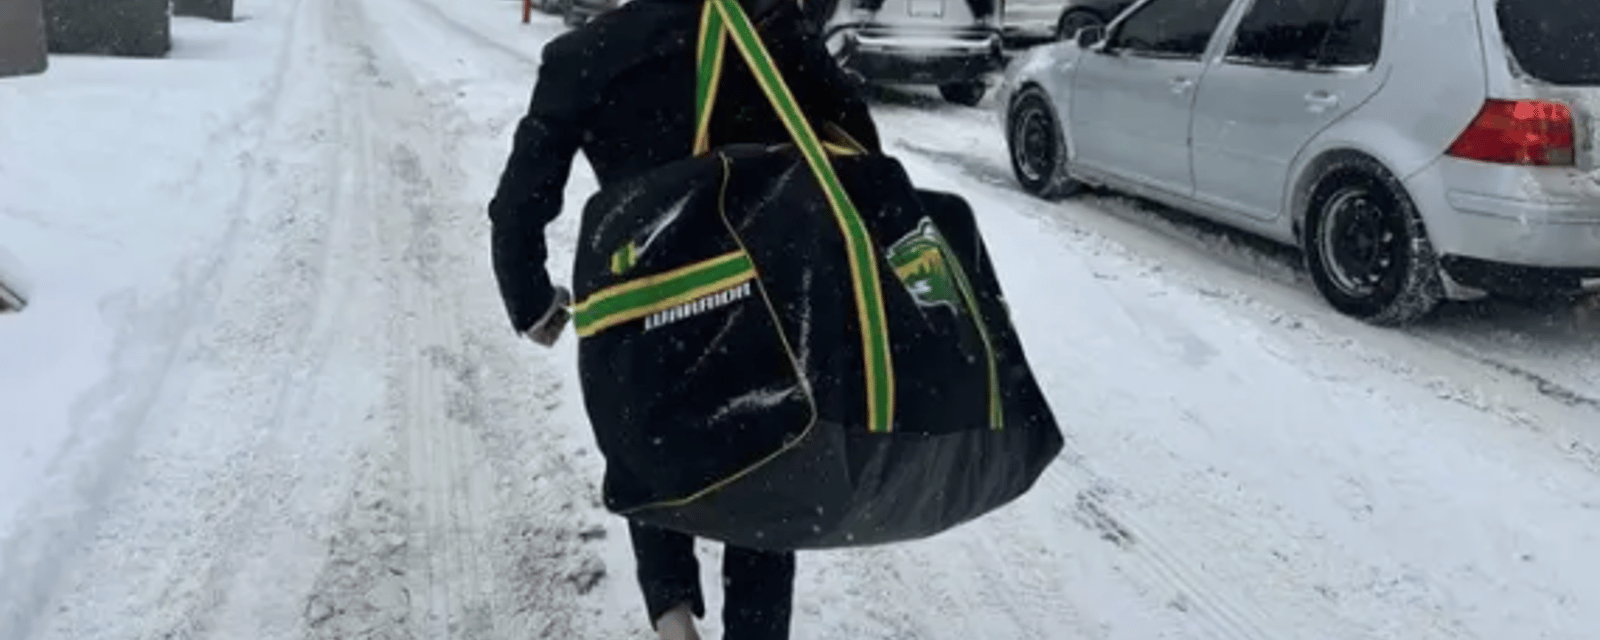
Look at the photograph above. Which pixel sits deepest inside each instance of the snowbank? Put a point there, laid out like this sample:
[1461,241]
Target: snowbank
[118,175]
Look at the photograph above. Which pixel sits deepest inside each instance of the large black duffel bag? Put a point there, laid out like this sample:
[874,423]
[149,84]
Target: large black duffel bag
[790,347]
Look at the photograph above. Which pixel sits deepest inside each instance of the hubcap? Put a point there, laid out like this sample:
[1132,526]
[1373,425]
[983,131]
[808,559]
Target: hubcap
[1360,245]
[1035,148]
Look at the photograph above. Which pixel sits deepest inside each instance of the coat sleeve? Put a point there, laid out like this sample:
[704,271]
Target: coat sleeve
[529,194]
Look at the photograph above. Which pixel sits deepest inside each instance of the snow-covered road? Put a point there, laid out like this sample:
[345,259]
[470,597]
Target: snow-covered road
[265,388]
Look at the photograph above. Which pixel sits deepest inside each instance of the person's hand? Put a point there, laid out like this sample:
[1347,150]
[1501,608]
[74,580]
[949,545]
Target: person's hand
[548,329]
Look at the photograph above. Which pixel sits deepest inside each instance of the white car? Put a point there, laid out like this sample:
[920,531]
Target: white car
[953,44]
[1415,150]
[1029,22]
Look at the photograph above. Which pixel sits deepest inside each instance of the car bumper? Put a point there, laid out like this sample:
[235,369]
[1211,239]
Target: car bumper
[1519,280]
[1499,243]
[582,11]
[921,59]
[1468,214]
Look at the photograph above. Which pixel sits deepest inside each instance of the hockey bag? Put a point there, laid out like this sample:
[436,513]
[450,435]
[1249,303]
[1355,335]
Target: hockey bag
[791,346]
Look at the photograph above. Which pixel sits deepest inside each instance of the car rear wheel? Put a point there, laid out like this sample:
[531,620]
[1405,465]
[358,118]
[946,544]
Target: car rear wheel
[1366,248]
[967,94]
[1038,146]
[1075,19]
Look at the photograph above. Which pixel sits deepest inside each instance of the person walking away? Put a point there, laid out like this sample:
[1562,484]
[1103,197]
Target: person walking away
[620,89]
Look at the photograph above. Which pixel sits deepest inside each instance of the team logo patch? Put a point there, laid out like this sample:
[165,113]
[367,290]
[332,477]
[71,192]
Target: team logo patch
[922,260]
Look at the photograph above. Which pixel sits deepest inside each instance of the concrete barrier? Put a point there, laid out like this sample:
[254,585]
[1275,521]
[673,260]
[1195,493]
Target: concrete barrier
[139,28]
[219,10]
[22,49]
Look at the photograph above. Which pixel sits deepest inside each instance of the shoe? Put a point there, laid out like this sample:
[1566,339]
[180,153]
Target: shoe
[677,624]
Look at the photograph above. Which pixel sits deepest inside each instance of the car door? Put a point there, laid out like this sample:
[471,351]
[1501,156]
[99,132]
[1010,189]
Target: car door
[1292,68]
[1131,95]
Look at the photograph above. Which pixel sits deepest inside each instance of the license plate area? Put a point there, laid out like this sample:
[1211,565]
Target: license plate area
[925,8]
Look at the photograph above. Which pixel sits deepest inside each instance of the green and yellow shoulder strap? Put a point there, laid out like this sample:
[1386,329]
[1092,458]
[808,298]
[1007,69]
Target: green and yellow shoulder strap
[724,20]
[720,22]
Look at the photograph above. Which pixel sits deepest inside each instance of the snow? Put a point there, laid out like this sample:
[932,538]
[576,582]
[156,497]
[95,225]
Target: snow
[1370,497]
[117,175]
[758,399]
[660,224]
[13,277]
[264,387]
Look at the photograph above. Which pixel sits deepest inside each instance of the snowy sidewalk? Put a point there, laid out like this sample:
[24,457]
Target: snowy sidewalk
[265,390]
[122,184]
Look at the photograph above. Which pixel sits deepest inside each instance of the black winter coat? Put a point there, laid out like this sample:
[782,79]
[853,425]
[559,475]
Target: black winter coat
[621,89]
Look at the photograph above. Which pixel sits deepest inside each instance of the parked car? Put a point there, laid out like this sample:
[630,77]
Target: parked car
[1031,22]
[576,13]
[954,44]
[553,7]
[1414,149]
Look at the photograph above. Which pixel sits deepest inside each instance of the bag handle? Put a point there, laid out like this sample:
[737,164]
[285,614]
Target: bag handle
[724,20]
[710,51]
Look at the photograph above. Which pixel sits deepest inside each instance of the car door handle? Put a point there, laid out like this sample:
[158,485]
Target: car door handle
[1319,101]
[1180,85]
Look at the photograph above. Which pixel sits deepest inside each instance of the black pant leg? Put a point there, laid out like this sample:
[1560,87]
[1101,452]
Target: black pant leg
[668,573]
[758,588]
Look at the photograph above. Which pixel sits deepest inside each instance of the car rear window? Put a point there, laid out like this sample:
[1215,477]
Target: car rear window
[1556,41]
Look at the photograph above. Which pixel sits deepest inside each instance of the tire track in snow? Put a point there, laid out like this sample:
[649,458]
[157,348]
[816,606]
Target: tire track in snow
[364,589]
[1229,617]
[450,485]
[1026,590]
[414,558]
[145,557]
[471,525]
[307,245]
[125,401]
[1148,555]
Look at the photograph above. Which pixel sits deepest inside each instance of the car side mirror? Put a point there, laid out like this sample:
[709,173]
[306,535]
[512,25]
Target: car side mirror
[1091,36]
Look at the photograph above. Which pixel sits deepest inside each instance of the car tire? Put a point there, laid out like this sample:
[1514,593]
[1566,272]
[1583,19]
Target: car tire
[1037,146]
[1366,248]
[1074,19]
[967,94]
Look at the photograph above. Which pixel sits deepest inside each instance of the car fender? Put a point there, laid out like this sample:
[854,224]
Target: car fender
[1037,67]
[1400,156]
[1393,143]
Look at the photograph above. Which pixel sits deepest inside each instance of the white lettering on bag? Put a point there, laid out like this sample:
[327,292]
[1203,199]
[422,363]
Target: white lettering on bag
[698,306]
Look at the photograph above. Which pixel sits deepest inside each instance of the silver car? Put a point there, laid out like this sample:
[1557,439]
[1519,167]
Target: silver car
[1415,150]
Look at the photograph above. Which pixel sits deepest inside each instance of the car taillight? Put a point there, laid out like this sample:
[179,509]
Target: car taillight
[1531,132]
